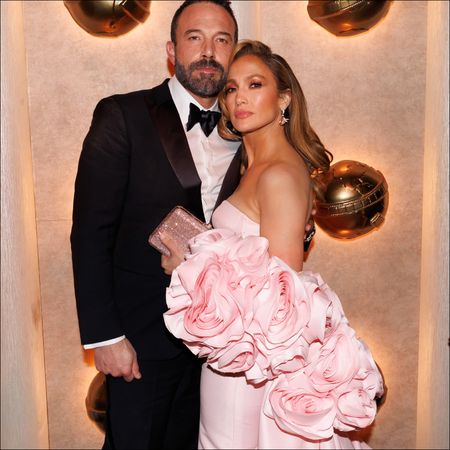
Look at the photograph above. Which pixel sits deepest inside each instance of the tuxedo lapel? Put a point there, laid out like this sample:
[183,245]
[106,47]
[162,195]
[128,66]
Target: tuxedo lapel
[231,180]
[173,140]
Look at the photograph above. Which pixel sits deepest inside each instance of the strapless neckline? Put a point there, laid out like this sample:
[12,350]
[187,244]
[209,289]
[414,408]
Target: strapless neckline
[231,217]
[240,212]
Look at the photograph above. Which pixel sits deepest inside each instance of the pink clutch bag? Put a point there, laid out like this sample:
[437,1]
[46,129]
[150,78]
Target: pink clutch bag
[179,225]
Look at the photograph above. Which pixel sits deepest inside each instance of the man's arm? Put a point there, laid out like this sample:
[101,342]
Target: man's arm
[100,189]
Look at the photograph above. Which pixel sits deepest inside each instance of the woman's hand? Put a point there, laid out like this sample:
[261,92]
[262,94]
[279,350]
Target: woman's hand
[171,262]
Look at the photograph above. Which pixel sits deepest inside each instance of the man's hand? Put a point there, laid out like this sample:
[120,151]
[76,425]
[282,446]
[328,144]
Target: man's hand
[170,263]
[118,360]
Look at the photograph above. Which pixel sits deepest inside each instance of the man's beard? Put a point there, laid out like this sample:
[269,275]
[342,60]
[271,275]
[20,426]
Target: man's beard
[205,85]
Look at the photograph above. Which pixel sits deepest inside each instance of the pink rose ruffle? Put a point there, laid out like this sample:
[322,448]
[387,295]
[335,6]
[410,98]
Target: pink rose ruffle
[247,312]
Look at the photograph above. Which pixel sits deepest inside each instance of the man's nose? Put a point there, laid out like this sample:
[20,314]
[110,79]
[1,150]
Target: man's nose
[208,50]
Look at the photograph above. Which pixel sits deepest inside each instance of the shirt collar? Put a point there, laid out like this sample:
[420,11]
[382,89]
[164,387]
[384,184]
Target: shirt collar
[182,98]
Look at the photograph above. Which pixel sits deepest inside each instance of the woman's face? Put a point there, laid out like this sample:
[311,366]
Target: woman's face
[251,95]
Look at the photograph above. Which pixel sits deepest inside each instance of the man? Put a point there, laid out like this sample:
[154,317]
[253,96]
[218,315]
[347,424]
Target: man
[144,154]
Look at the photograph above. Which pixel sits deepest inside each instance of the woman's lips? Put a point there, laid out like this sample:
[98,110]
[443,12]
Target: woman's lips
[242,114]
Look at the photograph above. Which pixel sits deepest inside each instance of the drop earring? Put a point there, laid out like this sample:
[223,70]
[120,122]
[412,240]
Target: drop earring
[283,120]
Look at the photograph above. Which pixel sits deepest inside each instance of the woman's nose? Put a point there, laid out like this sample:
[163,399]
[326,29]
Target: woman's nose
[240,100]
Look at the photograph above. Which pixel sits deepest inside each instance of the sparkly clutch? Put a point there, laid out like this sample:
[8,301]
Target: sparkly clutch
[179,225]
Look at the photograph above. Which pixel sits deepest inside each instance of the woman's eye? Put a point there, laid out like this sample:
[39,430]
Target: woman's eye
[255,84]
[229,90]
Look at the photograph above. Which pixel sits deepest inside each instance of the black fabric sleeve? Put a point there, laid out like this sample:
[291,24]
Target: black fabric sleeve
[100,190]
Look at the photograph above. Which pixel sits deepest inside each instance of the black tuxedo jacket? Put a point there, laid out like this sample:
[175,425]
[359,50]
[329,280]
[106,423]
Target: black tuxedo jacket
[135,166]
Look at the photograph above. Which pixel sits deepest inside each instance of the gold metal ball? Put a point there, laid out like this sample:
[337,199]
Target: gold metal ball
[96,401]
[352,201]
[347,17]
[108,18]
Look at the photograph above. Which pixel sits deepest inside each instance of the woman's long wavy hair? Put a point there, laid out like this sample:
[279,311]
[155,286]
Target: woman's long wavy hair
[298,130]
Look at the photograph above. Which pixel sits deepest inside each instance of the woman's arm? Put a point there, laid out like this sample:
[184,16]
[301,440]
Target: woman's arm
[283,196]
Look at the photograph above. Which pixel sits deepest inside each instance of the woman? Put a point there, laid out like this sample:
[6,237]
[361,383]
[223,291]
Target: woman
[268,331]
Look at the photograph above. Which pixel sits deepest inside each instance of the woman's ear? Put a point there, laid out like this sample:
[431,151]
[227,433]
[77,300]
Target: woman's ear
[285,99]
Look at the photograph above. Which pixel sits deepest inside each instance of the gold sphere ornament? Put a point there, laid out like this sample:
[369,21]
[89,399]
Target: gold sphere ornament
[347,17]
[96,401]
[352,199]
[109,18]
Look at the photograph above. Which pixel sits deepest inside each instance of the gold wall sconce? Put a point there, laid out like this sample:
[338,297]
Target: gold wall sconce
[353,200]
[97,401]
[110,18]
[347,17]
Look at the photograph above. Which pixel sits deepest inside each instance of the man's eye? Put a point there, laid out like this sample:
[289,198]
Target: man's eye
[222,40]
[194,38]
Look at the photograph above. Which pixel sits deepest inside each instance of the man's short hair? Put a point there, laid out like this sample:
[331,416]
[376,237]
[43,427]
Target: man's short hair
[225,4]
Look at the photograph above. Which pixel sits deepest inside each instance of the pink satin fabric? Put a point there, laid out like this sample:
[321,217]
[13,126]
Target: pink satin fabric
[284,368]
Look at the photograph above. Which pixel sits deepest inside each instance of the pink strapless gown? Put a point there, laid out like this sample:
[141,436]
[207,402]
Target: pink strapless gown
[231,411]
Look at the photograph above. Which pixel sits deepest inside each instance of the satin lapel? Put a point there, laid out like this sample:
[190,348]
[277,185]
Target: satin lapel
[170,130]
[231,180]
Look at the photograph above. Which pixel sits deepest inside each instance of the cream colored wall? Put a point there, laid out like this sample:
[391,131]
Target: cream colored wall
[366,98]
[23,396]
[367,102]
[69,72]
[433,383]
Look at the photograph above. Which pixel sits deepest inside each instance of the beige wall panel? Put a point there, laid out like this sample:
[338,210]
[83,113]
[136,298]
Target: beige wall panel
[23,396]
[366,101]
[69,371]
[69,72]
[433,382]
[366,96]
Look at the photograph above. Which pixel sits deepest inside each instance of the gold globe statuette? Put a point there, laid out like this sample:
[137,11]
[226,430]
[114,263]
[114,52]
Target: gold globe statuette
[96,401]
[347,17]
[110,18]
[353,199]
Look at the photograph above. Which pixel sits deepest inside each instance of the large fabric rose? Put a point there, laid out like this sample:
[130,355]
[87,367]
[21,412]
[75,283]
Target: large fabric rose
[210,297]
[216,240]
[251,257]
[369,374]
[339,373]
[280,314]
[334,362]
[236,357]
[250,313]
[355,409]
[326,308]
[204,309]
[297,408]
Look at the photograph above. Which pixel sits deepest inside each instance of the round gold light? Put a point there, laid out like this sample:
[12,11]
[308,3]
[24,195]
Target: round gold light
[353,199]
[96,401]
[347,17]
[109,18]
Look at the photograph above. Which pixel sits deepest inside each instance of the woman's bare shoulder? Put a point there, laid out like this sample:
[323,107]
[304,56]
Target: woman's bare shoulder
[285,174]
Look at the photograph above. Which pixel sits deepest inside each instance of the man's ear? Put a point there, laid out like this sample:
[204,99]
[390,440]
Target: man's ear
[170,49]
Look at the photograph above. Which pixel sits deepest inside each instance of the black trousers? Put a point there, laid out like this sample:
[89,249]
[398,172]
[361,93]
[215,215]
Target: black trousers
[161,410]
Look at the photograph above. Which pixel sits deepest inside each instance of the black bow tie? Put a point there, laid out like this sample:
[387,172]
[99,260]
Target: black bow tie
[207,119]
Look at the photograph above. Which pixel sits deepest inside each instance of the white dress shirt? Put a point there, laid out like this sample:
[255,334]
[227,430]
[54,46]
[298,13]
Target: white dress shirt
[212,156]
